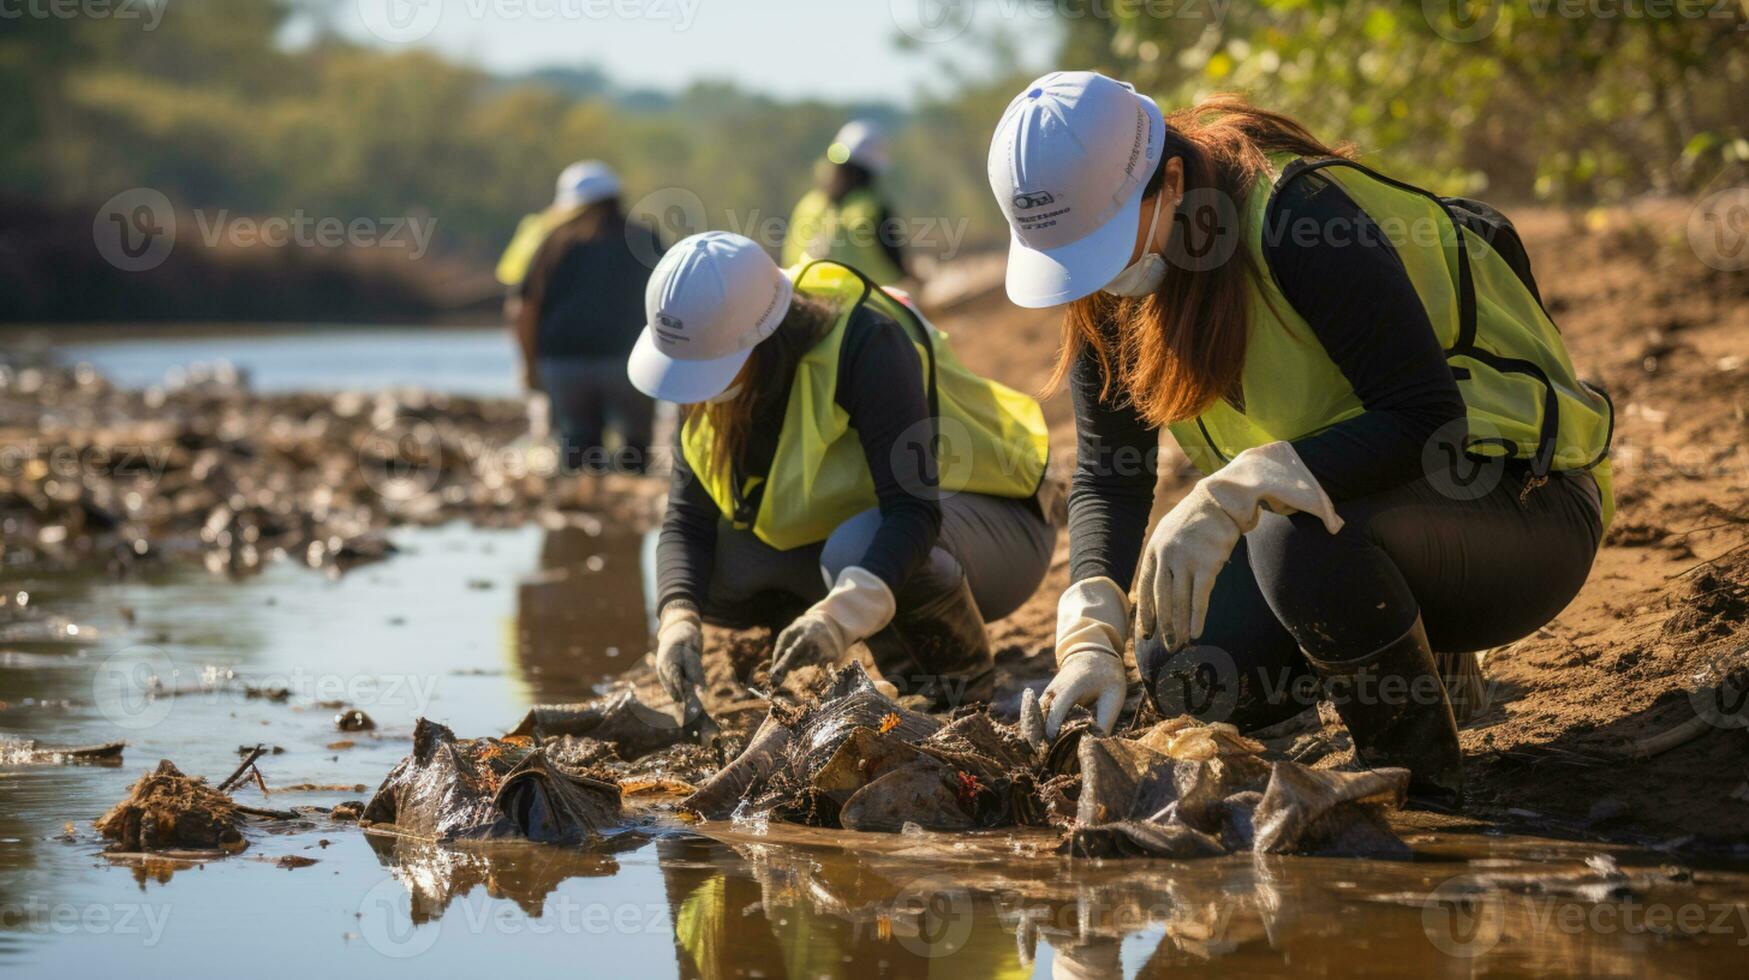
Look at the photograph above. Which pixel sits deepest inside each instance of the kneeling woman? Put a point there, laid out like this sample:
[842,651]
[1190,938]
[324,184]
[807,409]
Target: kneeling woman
[806,491]
[1398,456]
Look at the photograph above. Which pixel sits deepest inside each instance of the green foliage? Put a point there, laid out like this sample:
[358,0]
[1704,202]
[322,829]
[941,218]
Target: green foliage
[1569,100]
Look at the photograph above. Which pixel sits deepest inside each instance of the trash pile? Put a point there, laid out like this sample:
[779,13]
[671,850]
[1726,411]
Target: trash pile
[860,761]
[206,468]
[851,759]
[514,788]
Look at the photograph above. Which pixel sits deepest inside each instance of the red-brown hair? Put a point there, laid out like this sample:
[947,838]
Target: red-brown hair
[1173,354]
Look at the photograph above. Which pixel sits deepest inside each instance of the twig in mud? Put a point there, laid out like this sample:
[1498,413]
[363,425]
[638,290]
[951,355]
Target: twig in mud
[259,781]
[1651,745]
[231,780]
[267,813]
[1728,552]
[1734,521]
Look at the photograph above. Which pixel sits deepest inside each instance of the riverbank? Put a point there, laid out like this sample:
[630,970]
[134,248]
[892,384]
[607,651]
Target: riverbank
[1621,720]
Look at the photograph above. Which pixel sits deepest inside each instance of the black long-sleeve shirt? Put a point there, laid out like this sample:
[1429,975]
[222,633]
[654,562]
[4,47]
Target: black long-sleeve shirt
[880,386]
[1337,270]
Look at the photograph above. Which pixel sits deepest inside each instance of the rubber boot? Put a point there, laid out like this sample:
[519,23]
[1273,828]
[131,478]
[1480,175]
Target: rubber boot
[1398,714]
[937,646]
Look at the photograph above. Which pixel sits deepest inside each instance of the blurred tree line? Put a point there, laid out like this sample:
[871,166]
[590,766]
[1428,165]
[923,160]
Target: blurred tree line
[216,110]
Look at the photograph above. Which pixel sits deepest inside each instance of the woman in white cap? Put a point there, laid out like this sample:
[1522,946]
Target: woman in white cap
[839,474]
[1398,455]
[845,217]
[577,273]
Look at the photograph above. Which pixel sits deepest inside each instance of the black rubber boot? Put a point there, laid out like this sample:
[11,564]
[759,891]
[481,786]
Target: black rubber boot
[1397,712]
[937,646]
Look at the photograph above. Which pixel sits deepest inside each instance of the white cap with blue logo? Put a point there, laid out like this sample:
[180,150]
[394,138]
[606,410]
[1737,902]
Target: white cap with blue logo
[1068,164]
[710,301]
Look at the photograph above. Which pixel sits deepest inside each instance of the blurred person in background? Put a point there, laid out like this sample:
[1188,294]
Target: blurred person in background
[576,274]
[839,474]
[845,217]
[1398,455]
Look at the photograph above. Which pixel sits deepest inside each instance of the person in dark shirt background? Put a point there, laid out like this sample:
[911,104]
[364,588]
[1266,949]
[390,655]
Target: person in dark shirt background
[576,314]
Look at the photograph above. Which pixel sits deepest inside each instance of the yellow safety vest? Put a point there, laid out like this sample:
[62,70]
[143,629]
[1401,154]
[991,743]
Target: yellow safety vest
[848,233]
[531,233]
[1524,399]
[988,438]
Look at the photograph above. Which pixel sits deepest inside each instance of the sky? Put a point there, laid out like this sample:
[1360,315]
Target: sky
[834,49]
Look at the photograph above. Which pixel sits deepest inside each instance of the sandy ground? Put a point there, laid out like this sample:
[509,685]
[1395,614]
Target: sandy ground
[1601,724]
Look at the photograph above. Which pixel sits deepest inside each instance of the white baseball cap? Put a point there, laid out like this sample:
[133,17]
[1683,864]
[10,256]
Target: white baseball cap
[860,142]
[585,182]
[711,300]
[1068,164]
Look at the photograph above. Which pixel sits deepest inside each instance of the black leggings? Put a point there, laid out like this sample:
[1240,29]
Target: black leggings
[1479,572]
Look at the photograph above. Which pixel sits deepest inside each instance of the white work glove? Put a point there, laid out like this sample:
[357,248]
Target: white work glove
[1194,540]
[858,606]
[680,653]
[1093,621]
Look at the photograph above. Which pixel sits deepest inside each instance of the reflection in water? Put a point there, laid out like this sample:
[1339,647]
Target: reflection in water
[525,874]
[580,619]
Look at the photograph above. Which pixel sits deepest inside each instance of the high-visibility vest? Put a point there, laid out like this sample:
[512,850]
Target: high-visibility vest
[531,234]
[1523,398]
[982,437]
[847,232]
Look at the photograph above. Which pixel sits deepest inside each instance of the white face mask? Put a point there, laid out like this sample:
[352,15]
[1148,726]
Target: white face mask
[1143,276]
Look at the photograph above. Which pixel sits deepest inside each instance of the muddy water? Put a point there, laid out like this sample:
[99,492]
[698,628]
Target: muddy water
[469,627]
